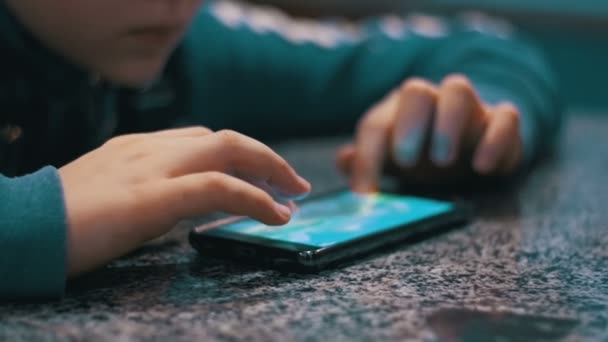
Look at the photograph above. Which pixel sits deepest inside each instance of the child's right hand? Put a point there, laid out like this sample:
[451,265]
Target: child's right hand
[137,187]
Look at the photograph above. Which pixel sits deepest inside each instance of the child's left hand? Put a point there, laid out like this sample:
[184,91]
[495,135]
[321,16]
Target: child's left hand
[433,134]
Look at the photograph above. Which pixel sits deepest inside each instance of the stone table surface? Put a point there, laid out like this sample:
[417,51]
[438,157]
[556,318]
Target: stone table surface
[532,265]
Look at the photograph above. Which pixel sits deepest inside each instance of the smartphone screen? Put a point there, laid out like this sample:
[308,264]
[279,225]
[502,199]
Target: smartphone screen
[339,218]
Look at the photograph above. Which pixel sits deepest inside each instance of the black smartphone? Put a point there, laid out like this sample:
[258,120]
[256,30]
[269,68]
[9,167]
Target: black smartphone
[327,230]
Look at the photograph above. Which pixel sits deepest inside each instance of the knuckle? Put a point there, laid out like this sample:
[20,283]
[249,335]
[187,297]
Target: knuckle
[215,182]
[417,87]
[510,112]
[457,82]
[201,130]
[228,137]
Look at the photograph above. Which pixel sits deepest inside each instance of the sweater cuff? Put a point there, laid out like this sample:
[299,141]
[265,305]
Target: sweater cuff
[33,236]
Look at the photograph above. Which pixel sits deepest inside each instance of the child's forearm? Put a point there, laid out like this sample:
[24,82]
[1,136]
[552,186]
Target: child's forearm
[505,67]
[32,236]
[326,81]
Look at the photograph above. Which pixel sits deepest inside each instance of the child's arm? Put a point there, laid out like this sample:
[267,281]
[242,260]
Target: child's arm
[263,73]
[32,235]
[130,190]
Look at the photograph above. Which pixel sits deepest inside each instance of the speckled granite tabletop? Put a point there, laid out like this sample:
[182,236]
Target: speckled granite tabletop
[533,265]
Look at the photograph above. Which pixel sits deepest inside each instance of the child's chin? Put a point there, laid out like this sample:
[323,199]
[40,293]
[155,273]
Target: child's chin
[135,76]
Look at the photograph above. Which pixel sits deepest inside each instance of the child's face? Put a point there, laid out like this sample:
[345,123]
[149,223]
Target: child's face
[125,41]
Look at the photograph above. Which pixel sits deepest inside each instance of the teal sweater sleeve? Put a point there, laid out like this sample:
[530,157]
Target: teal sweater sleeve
[261,72]
[32,236]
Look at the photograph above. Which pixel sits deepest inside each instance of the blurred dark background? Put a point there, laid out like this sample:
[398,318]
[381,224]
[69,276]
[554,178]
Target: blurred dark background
[573,33]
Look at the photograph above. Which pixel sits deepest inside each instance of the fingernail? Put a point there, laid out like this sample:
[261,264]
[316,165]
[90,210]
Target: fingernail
[284,211]
[408,148]
[440,152]
[296,196]
[281,198]
[299,197]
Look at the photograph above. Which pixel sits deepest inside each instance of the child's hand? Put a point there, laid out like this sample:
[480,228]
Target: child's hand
[429,133]
[137,187]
